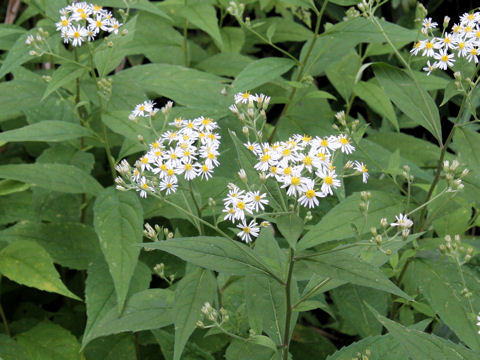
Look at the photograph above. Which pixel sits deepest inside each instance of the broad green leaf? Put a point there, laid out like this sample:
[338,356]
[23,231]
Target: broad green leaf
[407,94]
[18,55]
[309,343]
[267,248]
[265,300]
[291,227]
[233,39]
[193,291]
[107,57]
[343,72]
[204,16]
[46,130]
[27,263]
[303,3]
[225,64]
[439,281]
[118,122]
[350,302]
[100,296]
[214,253]
[241,350]
[190,87]
[11,103]
[9,33]
[64,75]
[16,207]
[376,99]
[192,351]
[350,33]
[69,244]
[49,341]
[118,221]
[422,346]
[261,72]
[342,266]
[10,350]
[320,94]
[115,347]
[345,2]
[57,177]
[384,347]
[285,30]
[146,310]
[336,224]
[8,187]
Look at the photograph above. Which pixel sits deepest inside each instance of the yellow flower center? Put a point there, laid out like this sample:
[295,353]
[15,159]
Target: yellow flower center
[246,95]
[158,153]
[76,34]
[246,230]
[286,152]
[324,143]
[306,138]
[144,186]
[295,181]
[344,141]
[83,15]
[141,108]
[257,198]
[155,145]
[364,169]
[206,121]
[447,40]
[287,171]
[328,180]
[265,158]
[241,205]
[429,45]
[204,168]
[474,52]
[211,156]
[188,167]
[144,160]
[250,147]
[307,160]
[99,23]
[310,193]
[461,45]
[273,169]
[64,22]
[321,155]
[170,172]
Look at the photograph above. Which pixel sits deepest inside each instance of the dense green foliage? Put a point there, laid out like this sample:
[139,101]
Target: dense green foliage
[90,270]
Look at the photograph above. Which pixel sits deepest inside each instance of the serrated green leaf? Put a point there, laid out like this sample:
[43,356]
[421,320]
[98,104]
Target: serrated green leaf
[261,72]
[57,177]
[192,351]
[73,245]
[204,16]
[407,94]
[335,225]
[47,130]
[214,253]
[193,291]
[241,350]
[145,310]
[268,249]
[100,296]
[291,227]
[115,347]
[48,341]
[441,284]
[118,221]
[10,350]
[320,94]
[343,72]
[27,263]
[422,346]
[343,266]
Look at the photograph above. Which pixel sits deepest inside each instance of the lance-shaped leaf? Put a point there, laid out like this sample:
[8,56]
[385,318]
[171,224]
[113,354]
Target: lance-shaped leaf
[215,253]
[343,266]
[261,72]
[193,291]
[423,346]
[57,177]
[27,263]
[410,97]
[118,221]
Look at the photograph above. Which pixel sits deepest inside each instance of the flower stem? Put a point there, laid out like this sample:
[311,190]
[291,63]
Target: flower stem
[311,292]
[301,70]
[288,306]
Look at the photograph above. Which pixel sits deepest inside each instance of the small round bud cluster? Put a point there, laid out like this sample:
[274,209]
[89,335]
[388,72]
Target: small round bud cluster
[454,175]
[105,87]
[351,13]
[215,317]
[236,9]
[406,173]
[455,250]
[360,356]
[159,270]
[38,43]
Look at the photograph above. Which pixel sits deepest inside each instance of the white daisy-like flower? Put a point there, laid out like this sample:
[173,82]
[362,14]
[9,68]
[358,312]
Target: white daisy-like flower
[248,231]
[417,47]
[429,68]
[244,97]
[444,60]
[329,180]
[169,185]
[258,200]
[345,145]
[402,221]
[429,48]
[205,171]
[114,26]
[428,24]
[63,24]
[144,187]
[361,168]
[310,195]
[77,35]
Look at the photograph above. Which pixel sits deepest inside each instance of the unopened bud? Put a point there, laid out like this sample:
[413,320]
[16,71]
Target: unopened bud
[454,165]
[124,32]
[446,21]
[378,239]
[140,138]
[457,75]
[245,130]
[373,230]
[110,44]
[242,174]
[464,173]
[365,195]
[384,222]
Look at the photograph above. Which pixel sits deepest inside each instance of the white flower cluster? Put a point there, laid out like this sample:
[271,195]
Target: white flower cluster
[260,100]
[190,150]
[404,223]
[463,41]
[302,164]
[238,204]
[80,21]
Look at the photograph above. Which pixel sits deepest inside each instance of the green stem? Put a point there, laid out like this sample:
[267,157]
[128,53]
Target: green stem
[288,306]
[311,292]
[301,70]
[4,320]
